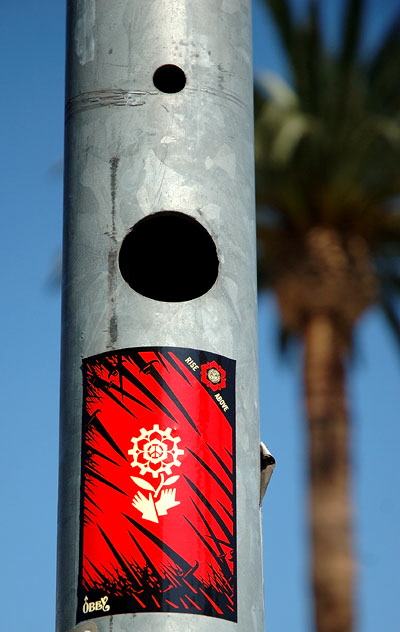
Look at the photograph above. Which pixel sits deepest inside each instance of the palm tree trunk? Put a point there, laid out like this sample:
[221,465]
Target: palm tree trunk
[330,506]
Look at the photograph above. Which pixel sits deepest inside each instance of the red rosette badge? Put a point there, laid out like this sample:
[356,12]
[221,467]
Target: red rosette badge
[213,376]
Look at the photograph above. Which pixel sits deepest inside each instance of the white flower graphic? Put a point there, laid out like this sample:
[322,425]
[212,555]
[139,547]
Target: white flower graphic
[155,451]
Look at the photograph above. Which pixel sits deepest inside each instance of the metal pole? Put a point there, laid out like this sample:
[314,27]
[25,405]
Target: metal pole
[159,522]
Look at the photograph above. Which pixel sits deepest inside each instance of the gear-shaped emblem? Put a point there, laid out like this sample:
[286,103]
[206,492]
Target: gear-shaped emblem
[213,375]
[155,451]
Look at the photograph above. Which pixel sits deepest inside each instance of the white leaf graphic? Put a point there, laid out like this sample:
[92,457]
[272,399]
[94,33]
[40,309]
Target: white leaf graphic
[143,484]
[171,480]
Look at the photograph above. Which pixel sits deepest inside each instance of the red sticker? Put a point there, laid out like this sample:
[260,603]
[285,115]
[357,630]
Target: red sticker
[158,502]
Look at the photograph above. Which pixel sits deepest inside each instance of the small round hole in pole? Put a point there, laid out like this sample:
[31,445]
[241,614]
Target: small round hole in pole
[169,78]
[170,257]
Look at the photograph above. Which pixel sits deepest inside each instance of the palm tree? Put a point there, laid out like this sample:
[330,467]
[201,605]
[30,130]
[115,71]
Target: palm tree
[328,202]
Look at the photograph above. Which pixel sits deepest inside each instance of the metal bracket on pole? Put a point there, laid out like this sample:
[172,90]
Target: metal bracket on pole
[267,465]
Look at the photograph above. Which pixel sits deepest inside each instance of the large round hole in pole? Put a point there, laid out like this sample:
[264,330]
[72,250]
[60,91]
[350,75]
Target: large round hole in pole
[169,78]
[169,256]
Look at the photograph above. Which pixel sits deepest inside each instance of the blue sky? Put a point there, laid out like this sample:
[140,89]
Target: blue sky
[31,127]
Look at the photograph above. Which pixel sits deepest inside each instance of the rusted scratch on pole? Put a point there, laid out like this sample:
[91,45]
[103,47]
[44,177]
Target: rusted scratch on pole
[105,98]
[130,98]
[228,96]
[112,257]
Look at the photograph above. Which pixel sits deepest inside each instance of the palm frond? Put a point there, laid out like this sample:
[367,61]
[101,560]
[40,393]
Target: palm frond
[384,92]
[282,16]
[258,100]
[272,88]
[351,34]
[296,41]
[310,59]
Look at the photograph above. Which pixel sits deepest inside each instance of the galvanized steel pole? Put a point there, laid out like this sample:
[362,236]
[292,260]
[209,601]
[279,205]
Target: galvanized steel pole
[159,524]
